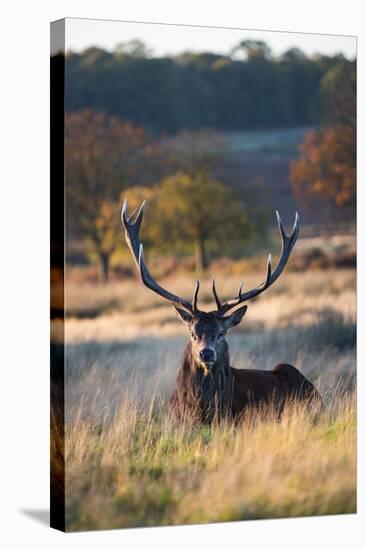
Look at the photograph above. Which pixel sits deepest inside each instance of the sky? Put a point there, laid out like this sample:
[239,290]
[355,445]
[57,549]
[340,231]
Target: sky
[173,39]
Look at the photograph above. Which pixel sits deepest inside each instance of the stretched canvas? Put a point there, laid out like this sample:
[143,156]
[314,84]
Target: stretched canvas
[203,273]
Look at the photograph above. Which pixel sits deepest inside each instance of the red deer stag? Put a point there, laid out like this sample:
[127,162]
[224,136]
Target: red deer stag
[207,385]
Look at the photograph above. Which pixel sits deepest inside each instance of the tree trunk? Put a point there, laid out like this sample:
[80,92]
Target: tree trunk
[200,255]
[104,258]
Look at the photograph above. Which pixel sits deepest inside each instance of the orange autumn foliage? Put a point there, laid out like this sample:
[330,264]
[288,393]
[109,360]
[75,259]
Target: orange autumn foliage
[327,165]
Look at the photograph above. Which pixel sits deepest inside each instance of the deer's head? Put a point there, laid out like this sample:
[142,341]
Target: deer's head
[207,329]
[207,335]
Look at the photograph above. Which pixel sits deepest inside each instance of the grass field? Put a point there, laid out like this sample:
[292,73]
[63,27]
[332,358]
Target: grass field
[129,464]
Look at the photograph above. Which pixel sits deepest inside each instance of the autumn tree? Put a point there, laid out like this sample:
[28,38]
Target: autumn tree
[103,155]
[327,163]
[197,210]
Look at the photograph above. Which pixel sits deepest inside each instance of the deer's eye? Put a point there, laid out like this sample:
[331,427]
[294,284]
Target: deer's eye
[221,334]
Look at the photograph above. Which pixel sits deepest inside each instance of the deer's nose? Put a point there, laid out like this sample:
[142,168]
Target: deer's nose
[208,355]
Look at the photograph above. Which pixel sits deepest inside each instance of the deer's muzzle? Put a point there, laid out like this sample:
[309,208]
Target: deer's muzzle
[208,358]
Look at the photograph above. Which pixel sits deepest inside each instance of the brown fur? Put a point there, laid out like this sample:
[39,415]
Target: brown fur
[226,391]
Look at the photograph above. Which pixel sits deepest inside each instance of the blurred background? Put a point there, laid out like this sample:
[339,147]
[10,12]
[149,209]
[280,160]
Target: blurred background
[216,141]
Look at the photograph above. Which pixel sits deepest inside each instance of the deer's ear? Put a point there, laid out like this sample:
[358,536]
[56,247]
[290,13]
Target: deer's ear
[235,318]
[183,315]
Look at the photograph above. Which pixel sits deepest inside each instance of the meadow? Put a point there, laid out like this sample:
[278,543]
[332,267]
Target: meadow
[128,463]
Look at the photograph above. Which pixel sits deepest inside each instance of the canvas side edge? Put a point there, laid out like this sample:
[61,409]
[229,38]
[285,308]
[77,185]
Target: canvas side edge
[57,272]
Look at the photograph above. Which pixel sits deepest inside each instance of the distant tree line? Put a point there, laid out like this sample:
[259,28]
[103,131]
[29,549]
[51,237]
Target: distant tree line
[245,89]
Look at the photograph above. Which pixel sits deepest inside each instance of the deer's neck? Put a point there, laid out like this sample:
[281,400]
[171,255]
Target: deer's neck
[207,392]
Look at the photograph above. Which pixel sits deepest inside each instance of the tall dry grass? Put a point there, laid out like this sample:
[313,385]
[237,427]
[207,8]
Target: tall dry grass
[140,468]
[129,464]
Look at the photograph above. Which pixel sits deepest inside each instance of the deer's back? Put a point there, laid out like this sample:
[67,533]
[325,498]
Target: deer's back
[252,387]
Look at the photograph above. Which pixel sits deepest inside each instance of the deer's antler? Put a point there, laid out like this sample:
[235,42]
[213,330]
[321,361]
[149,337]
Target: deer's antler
[132,228]
[288,242]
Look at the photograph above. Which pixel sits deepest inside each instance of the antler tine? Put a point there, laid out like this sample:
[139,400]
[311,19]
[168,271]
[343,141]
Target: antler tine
[137,250]
[217,299]
[269,270]
[132,215]
[140,215]
[124,213]
[195,296]
[239,292]
[132,229]
[288,242]
[295,230]
[280,226]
